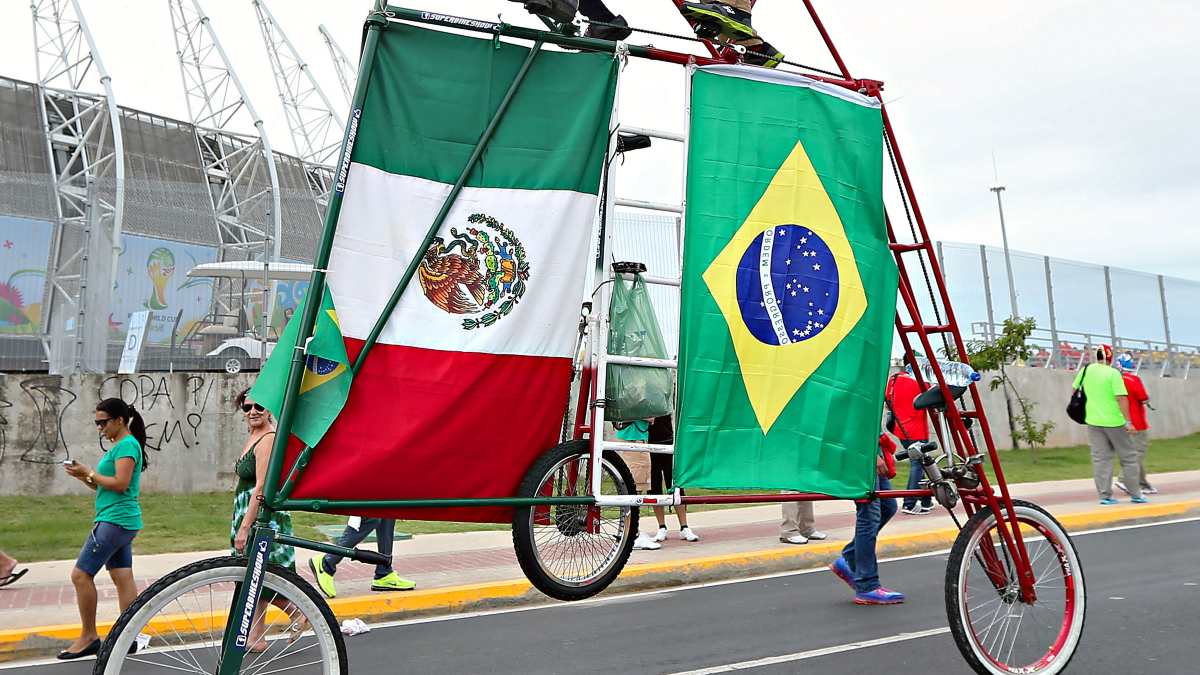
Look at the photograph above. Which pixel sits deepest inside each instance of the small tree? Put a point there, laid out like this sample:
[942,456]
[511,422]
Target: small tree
[1011,346]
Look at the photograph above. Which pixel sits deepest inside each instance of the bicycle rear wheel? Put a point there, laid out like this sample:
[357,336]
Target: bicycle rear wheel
[574,551]
[184,614]
[997,632]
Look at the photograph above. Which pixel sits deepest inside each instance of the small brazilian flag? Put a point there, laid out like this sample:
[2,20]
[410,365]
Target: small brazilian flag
[327,374]
[789,288]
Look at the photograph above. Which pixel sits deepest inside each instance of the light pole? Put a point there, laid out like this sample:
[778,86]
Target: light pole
[1012,287]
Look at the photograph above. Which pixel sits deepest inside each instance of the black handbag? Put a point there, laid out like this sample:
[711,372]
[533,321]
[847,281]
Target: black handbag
[1077,406]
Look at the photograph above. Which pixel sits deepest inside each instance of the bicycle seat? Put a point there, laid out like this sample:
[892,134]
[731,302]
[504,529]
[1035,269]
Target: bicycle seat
[933,397]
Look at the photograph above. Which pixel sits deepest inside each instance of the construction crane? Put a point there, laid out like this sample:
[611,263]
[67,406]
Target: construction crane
[240,167]
[316,129]
[346,72]
[82,130]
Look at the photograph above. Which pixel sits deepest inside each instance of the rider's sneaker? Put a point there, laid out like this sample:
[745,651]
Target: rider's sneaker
[559,10]
[762,54]
[392,582]
[616,30]
[661,535]
[718,17]
[1108,501]
[644,543]
[1121,486]
[324,579]
[686,534]
[879,596]
[842,569]
[1139,500]
[627,141]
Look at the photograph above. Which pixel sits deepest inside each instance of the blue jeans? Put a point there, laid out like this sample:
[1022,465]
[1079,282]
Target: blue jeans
[385,530]
[870,517]
[107,545]
[916,472]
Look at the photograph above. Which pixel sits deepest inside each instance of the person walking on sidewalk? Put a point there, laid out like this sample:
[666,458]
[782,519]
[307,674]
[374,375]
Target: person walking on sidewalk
[858,565]
[1138,398]
[251,470]
[910,426]
[117,481]
[8,570]
[662,432]
[357,530]
[638,431]
[1109,426]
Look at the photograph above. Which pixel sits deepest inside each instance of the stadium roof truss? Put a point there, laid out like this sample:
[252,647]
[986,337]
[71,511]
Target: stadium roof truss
[316,129]
[84,143]
[347,74]
[240,167]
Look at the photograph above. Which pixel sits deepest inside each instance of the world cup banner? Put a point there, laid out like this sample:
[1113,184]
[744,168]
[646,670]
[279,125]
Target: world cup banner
[468,382]
[789,287]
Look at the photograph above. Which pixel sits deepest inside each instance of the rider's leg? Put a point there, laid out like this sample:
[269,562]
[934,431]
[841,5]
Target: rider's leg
[596,10]
[559,10]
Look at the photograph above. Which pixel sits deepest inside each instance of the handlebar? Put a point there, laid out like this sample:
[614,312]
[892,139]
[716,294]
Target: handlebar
[915,451]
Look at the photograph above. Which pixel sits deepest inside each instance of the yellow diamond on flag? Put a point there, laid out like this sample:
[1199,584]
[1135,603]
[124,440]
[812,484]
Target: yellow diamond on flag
[787,286]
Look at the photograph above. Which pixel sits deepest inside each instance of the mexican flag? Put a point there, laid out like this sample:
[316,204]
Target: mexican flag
[789,288]
[469,380]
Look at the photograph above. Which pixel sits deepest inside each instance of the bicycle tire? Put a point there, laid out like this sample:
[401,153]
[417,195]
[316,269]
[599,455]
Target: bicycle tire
[228,571]
[1055,640]
[609,550]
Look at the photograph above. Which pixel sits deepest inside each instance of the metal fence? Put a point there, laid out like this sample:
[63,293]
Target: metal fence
[1077,306]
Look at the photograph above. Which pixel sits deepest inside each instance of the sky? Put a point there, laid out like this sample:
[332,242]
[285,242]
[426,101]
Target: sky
[1083,110]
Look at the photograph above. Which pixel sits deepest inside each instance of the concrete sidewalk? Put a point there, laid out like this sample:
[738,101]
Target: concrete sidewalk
[477,570]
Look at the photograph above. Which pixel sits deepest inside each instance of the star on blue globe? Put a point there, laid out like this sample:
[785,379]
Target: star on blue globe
[787,285]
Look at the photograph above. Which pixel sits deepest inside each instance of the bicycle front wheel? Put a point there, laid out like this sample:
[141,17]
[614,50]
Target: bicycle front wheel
[178,623]
[997,631]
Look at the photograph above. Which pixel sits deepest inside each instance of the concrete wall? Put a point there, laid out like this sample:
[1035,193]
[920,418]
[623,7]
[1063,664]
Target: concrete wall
[1176,403]
[193,432]
[195,435]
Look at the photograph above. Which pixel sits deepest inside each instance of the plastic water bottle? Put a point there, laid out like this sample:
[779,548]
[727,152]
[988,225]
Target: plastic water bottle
[956,374]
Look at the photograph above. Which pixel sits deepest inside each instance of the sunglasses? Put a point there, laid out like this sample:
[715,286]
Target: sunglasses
[247,407]
[101,423]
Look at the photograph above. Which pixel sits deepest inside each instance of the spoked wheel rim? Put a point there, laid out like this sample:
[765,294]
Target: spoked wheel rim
[576,544]
[1009,634]
[185,623]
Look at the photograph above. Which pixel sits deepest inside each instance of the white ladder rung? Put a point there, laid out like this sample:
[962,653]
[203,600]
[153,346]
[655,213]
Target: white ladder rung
[617,360]
[626,446]
[654,133]
[650,206]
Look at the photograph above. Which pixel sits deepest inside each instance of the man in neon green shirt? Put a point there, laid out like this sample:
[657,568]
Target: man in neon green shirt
[1109,425]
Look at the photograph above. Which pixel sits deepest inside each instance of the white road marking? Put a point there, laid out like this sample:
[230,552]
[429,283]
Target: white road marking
[815,653]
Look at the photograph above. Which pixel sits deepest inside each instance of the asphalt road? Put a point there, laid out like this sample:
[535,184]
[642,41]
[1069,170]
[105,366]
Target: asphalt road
[1143,612]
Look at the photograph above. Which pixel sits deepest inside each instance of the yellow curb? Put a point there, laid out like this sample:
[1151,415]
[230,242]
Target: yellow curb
[456,599]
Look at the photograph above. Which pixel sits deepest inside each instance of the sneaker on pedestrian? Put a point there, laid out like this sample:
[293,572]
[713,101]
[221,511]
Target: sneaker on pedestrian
[914,510]
[1121,486]
[817,535]
[1108,501]
[661,535]
[926,508]
[393,582]
[686,534]
[1139,500]
[645,543]
[618,29]
[841,569]
[324,579]
[718,18]
[879,596]
[1149,490]
[794,539]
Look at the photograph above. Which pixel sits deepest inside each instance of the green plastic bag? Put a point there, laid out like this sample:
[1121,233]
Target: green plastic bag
[635,392]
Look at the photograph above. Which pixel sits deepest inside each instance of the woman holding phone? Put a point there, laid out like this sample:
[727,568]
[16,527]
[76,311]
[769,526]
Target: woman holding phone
[117,482]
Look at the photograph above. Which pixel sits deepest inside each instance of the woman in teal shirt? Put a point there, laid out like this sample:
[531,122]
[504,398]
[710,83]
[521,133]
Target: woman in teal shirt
[116,480]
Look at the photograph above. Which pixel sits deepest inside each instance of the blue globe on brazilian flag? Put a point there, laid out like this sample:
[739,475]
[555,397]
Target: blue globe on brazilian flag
[789,288]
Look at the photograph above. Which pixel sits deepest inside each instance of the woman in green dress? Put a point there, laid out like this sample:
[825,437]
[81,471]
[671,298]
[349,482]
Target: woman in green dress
[251,469]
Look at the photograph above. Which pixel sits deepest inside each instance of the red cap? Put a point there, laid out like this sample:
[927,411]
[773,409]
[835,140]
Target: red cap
[1107,353]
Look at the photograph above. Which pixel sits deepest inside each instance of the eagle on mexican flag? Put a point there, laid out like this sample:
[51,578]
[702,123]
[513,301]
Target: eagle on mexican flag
[469,379]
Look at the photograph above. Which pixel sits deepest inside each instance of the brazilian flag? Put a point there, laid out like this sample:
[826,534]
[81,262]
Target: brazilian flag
[327,374]
[789,288]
